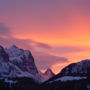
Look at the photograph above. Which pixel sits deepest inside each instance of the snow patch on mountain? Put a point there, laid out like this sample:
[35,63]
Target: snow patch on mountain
[70,78]
[6,80]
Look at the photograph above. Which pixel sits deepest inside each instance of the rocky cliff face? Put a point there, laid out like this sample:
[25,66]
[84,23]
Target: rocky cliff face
[22,59]
[16,62]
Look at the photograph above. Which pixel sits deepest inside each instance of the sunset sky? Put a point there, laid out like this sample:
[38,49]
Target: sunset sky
[57,32]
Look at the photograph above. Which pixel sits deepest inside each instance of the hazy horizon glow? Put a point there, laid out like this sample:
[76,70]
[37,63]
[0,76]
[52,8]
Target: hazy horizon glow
[56,31]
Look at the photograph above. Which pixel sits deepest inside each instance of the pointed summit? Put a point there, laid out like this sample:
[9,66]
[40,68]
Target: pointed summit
[49,72]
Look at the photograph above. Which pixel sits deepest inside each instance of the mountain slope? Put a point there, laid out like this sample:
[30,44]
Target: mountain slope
[75,71]
[75,76]
[16,62]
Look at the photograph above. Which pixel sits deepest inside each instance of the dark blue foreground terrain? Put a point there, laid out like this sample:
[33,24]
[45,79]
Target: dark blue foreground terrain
[29,84]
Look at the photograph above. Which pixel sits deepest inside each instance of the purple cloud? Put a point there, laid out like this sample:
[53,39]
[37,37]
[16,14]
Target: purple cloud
[69,49]
[4,30]
[45,60]
[7,39]
[24,43]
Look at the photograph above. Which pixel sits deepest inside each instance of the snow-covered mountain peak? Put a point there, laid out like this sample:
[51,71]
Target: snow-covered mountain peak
[47,74]
[16,62]
[22,58]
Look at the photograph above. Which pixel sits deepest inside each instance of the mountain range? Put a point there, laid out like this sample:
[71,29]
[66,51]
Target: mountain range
[16,62]
[19,72]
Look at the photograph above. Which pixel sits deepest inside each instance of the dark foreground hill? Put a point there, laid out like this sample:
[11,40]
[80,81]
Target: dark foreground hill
[30,84]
